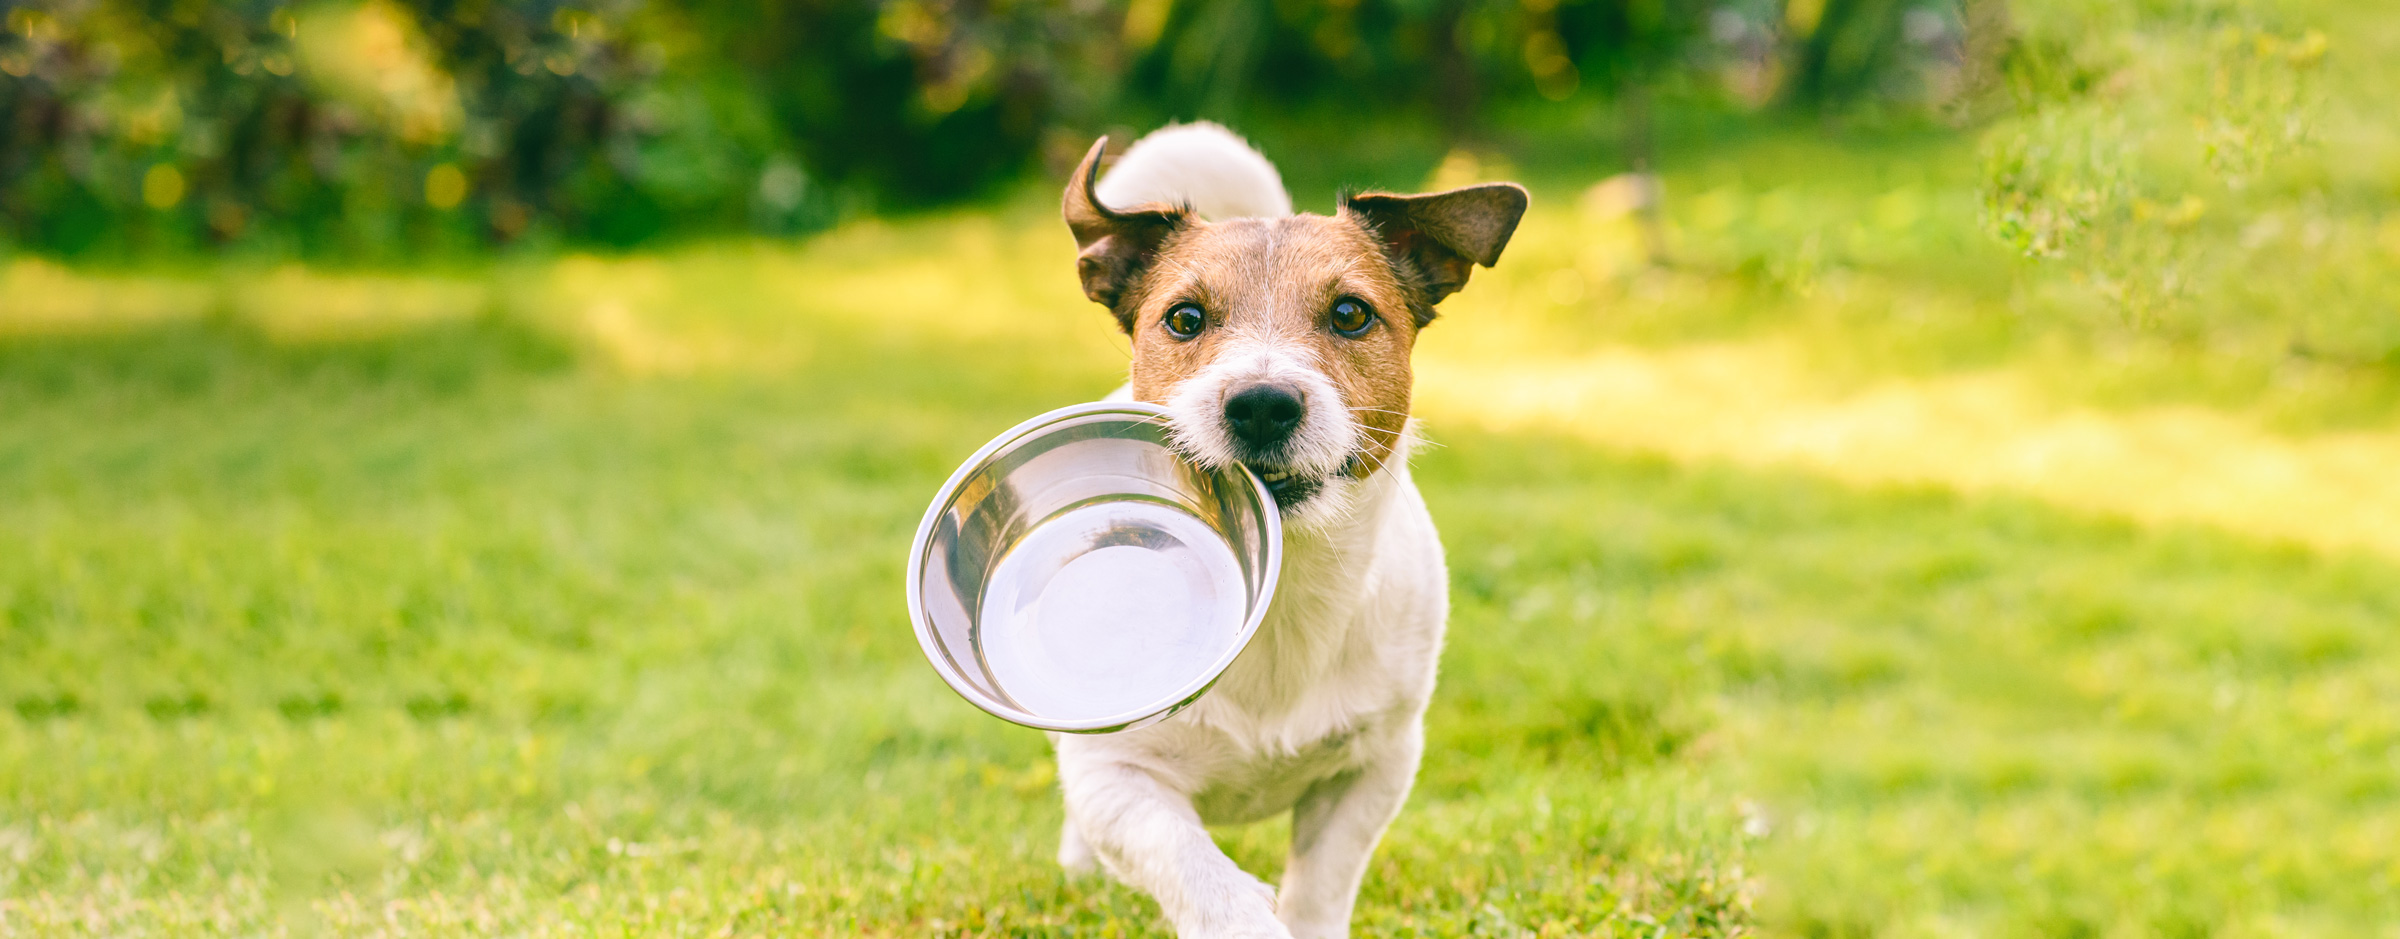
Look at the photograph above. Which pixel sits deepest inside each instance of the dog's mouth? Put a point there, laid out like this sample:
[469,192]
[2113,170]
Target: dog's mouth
[1289,487]
[1293,487]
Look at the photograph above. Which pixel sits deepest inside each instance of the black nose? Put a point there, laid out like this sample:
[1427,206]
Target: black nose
[1262,415]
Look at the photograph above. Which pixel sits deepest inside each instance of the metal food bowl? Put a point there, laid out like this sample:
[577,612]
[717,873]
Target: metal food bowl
[1077,575]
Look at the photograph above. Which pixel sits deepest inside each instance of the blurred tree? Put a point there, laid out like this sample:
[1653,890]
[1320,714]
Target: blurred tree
[1441,60]
[1848,50]
[910,102]
[362,130]
[143,119]
[574,121]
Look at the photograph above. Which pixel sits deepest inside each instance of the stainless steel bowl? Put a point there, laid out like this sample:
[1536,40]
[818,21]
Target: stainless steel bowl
[1077,575]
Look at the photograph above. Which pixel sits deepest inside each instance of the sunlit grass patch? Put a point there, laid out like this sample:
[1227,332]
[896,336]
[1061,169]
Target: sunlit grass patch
[39,297]
[1757,404]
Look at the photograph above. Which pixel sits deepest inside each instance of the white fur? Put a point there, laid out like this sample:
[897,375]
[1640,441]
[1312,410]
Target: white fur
[1199,164]
[1322,715]
[1319,447]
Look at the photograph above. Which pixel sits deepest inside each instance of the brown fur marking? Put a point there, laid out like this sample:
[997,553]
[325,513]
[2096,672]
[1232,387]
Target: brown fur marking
[1273,281]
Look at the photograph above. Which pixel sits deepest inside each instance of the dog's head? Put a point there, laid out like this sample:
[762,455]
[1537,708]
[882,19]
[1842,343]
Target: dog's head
[1284,343]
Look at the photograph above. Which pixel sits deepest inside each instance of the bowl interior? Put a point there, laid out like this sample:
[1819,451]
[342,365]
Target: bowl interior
[1078,575]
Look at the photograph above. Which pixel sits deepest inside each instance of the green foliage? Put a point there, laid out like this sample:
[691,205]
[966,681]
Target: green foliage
[1443,61]
[1844,46]
[2053,180]
[2169,155]
[372,130]
[908,103]
[364,131]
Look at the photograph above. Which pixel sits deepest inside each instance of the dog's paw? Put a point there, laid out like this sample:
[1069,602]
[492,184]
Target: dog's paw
[1312,920]
[1242,908]
[1309,929]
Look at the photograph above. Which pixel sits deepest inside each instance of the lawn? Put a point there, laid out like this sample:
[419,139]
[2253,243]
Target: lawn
[562,597]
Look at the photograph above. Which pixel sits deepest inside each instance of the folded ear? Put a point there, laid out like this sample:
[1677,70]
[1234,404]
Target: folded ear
[1440,236]
[1114,247]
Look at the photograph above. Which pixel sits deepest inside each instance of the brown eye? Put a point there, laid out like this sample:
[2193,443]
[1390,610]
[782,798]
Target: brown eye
[1185,320]
[1350,317]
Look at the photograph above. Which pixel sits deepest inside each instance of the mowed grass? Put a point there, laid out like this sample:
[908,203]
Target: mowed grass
[563,598]
[456,632]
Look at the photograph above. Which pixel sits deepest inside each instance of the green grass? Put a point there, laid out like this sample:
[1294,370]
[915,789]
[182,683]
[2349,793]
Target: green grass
[456,631]
[563,597]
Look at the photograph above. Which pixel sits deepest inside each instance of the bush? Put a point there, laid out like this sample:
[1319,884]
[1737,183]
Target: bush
[373,129]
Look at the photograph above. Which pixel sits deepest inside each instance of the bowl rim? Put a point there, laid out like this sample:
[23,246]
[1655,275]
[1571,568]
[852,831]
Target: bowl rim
[1168,705]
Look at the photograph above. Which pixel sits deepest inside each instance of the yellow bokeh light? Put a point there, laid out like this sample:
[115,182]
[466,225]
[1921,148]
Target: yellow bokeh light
[162,186]
[445,186]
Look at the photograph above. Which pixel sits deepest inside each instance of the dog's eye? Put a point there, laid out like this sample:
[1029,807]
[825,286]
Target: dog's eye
[1185,320]
[1350,317]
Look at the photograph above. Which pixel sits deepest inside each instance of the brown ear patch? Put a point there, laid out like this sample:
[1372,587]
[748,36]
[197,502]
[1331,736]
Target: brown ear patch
[1114,248]
[1437,238]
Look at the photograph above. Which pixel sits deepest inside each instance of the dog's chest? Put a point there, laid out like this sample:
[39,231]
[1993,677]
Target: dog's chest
[1344,666]
[1250,791]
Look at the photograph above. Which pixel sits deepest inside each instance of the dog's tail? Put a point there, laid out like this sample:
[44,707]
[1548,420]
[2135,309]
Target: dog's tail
[1199,164]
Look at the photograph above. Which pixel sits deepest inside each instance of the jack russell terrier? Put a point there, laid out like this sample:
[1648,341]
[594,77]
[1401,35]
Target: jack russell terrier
[1281,342]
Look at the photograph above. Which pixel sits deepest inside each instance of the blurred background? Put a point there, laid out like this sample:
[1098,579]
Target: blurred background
[382,131]
[1923,467]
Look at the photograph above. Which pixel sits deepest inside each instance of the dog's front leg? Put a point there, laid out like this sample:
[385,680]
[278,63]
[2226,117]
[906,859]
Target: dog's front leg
[1149,836]
[1334,830]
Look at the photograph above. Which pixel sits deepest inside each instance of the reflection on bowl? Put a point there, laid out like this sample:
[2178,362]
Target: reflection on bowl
[1076,574]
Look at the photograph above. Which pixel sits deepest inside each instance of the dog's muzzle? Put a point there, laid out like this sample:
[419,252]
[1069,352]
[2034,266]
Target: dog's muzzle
[1263,416]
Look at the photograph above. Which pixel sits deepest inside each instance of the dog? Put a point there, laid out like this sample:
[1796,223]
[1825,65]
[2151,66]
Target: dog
[1278,341]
